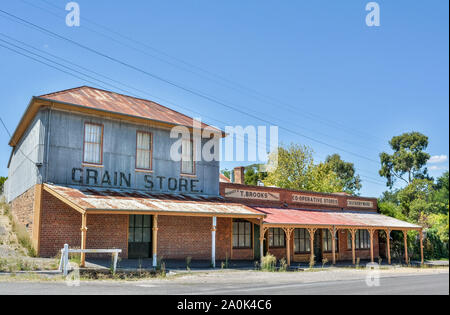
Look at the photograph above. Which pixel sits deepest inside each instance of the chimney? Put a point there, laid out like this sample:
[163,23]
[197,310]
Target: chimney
[239,175]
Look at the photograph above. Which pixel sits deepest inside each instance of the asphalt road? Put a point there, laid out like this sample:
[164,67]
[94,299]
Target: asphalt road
[417,284]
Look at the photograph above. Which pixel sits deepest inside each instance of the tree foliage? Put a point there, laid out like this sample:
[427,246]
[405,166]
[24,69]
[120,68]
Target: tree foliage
[346,173]
[2,183]
[296,170]
[408,159]
[426,203]
[253,175]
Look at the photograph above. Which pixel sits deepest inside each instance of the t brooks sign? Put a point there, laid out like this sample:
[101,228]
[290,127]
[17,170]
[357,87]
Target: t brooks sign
[251,194]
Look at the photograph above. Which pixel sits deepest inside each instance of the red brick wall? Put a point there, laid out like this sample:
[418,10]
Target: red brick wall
[107,232]
[22,209]
[180,237]
[61,224]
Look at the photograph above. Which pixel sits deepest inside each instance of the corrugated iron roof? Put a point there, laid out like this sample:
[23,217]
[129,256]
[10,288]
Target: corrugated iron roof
[338,218]
[119,103]
[116,200]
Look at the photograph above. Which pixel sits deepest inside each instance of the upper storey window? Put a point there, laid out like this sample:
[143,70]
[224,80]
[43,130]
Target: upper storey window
[93,143]
[187,157]
[144,150]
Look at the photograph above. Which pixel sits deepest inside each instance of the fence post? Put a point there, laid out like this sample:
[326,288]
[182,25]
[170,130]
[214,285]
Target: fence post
[66,259]
[115,262]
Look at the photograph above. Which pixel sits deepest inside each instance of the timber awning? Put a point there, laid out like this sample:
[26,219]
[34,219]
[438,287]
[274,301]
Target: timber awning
[93,200]
[338,218]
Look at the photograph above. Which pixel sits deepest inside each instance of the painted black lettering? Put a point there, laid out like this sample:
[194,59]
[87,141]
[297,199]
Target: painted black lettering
[183,184]
[123,178]
[74,175]
[173,183]
[149,182]
[194,185]
[106,179]
[161,178]
[91,174]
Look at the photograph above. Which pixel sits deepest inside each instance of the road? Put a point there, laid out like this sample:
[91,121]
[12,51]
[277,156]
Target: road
[436,284]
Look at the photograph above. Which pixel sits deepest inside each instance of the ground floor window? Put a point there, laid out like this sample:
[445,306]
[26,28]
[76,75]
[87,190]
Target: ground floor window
[302,243]
[362,240]
[242,231]
[276,237]
[327,241]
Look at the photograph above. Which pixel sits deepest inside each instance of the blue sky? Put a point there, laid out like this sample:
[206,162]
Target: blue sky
[316,67]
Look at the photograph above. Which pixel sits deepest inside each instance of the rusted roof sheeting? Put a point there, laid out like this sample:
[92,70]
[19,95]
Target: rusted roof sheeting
[119,103]
[337,218]
[116,200]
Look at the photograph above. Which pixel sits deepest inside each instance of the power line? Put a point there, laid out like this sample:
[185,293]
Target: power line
[179,86]
[241,87]
[15,144]
[379,183]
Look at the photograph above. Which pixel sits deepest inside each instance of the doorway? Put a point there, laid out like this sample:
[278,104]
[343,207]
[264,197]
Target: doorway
[139,236]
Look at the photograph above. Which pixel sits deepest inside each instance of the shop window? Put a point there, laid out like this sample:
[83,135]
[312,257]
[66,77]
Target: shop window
[327,241]
[302,242]
[242,231]
[362,240]
[276,237]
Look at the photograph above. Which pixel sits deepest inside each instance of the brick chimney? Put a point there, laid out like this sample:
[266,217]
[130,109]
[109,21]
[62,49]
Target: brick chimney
[239,175]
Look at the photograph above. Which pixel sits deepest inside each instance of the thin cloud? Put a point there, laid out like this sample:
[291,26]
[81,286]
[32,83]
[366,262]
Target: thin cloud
[438,168]
[436,159]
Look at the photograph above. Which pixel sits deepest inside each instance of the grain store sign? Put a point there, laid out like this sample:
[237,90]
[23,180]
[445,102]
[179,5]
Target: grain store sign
[251,194]
[359,203]
[117,179]
[314,200]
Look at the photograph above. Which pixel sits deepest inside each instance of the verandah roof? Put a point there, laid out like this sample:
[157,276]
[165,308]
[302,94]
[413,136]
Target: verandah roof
[337,218]
[95,200]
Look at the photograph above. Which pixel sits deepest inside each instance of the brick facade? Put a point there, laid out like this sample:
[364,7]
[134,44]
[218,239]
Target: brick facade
[60,224]
[178,236]
[22,209]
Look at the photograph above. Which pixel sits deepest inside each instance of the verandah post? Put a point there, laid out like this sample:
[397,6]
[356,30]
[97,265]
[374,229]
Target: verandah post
[213,242]
[353,234]
[311,231]
[83,238]
[388,238]
[405,237]
[421,247]
[371,232]
[155,241]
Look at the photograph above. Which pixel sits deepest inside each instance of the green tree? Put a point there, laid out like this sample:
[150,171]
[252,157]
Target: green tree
[408,160]
[226,173]
[2,183]
[296,170]
[253,175]
[345,171]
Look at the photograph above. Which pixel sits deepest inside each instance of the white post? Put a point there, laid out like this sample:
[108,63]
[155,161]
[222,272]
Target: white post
[115,262]
[213,244]
[66,260]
